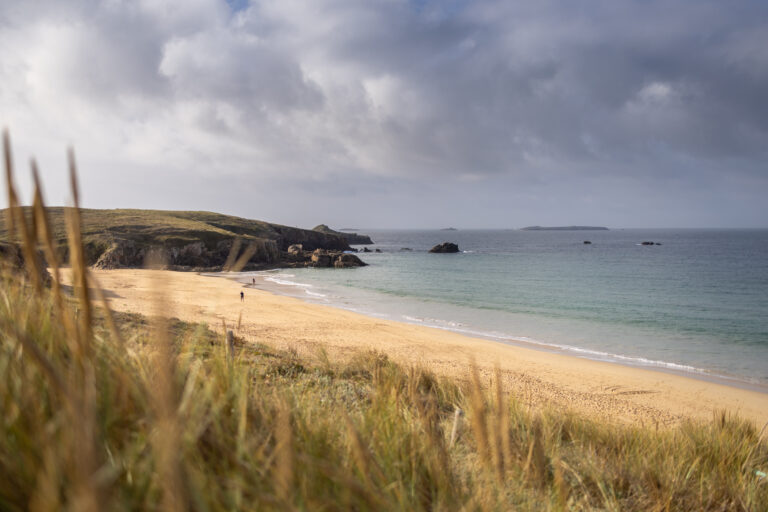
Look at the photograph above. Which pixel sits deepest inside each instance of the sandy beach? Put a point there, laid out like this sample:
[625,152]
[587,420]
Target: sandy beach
[610,392]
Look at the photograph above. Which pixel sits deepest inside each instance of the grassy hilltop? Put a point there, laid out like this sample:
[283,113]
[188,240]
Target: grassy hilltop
[122,237]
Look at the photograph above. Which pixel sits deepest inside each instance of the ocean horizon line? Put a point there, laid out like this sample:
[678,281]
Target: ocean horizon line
[609,228]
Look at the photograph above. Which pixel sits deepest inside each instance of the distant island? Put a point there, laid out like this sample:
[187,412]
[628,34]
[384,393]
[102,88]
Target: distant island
[449,229]
[565,228]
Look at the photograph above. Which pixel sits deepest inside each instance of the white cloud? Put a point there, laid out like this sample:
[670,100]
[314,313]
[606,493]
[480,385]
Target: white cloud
[656,93]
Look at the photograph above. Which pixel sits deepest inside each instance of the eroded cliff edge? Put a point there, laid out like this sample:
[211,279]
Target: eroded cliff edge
[351,238]
[188,240]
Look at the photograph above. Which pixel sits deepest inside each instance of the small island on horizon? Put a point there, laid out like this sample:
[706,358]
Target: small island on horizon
[564,228]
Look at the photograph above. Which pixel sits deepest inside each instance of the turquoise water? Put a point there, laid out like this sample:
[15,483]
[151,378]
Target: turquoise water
[696,303]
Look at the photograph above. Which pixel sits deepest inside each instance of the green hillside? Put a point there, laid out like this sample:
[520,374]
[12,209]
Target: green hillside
[123,237]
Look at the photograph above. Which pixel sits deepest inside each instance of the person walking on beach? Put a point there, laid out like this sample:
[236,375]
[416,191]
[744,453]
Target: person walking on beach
[242,296]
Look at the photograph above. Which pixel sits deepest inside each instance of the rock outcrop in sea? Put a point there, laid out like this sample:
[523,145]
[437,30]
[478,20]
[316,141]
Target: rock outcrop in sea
[320,258]
[445,247]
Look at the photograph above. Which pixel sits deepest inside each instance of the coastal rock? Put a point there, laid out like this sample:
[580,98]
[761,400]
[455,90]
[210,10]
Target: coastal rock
[120,254]
[309,239]
[365,249]
[321,258]
[347,261]
[199,241]
[190,254]
[11,254]
[14,256]
[445,248]
[377,250]
[350,238]
[194,255]
[325,259]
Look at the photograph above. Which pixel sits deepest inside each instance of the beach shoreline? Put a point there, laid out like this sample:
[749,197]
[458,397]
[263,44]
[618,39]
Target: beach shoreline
[602,390]
[301,291]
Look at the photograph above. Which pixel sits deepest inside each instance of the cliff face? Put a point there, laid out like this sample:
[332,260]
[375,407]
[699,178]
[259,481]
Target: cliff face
[195,255]
[13,256]
[351,238]
[183,240]
[310,239]
[297,257]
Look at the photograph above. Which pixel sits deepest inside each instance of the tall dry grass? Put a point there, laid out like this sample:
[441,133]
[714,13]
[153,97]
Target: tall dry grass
[118,412]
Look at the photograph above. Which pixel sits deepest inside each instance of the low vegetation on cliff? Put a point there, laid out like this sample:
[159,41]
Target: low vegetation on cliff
[124,238]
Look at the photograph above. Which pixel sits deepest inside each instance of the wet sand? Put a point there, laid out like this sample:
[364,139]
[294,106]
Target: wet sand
[607,391]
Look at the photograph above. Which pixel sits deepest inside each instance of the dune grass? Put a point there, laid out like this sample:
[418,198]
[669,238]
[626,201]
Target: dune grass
[120,412]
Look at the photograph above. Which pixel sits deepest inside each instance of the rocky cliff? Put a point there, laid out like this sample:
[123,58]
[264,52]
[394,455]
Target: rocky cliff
[12,256]
[351,238]
[185,240]
[298,257]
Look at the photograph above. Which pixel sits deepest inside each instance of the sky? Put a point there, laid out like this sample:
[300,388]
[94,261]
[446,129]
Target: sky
[397,113]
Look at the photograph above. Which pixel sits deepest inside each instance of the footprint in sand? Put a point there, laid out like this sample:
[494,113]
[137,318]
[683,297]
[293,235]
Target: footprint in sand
[617,390]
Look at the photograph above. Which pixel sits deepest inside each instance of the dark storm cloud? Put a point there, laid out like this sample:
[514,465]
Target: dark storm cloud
[542,96]
[503,86]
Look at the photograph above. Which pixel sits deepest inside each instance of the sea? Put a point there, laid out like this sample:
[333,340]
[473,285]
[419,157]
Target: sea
[695,302]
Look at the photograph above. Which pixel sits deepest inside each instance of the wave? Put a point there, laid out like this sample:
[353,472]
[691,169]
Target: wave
[461,328]
[447,323]
[595,355]
[286,282]
[374,308]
